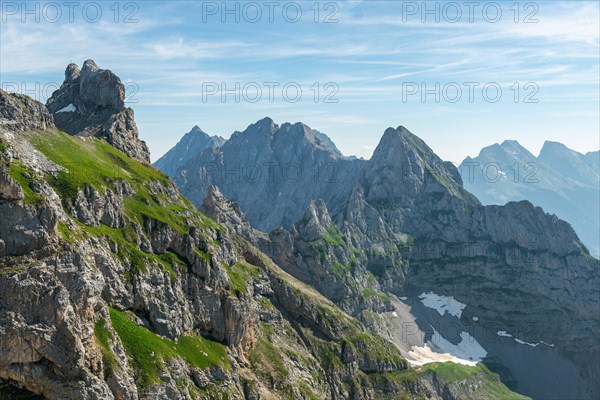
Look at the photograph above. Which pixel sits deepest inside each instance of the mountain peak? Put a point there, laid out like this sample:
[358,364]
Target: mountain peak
[403,166]
[402,141]
[189,146]
[263,128]
[504,152]
[265,123]
[552,147]
[196,130]
[72,72]
[511,144]
[91,102]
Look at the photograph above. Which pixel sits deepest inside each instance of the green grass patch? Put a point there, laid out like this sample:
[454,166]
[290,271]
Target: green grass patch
[104,337]
[24,176]
[340,269]
[450,373]
[239,275]
[266,359]
[68,234]
[94,162]
[374,347]
[204,255]
[370,292]
[128,251]
[333,237]
[147,350]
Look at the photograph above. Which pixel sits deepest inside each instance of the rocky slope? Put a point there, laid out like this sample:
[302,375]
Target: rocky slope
[560,180]
[91,102]
[115,286]
[402,224]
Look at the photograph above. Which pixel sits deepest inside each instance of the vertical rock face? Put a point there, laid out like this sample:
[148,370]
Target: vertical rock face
[91,102]
[272,171]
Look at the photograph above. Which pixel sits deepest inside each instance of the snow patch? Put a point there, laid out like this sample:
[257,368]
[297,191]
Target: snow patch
[475,319]
[442,304]
[69,108]
[403,298]
[524,342]
[467,352]
[506,334]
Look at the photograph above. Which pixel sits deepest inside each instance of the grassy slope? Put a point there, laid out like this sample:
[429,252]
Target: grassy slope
[148,350]
[454,376]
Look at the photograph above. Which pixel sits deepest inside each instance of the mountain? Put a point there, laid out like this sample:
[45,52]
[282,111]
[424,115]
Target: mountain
[272,171]
[114,286]
[192,143]
[326,141]
[386,235]
[91,102]
[560,180]
[593,158]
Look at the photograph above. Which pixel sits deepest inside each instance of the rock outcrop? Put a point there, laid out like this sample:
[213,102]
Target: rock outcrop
[20,112]
[91,102]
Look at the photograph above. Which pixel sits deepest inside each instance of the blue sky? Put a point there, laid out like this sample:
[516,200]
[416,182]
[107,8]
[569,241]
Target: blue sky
[376,56]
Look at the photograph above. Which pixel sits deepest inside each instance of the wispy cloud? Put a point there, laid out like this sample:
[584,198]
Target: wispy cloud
[369,54]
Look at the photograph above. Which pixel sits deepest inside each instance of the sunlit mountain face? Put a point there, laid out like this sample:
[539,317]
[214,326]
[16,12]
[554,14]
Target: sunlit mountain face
[265,200]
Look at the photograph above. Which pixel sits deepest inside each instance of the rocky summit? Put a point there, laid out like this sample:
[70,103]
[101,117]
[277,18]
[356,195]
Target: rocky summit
[91,102]
[191,145]
[115,286]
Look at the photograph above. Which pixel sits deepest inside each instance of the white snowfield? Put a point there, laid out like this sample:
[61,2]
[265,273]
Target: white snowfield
[506,334]
[69,108]
[442,304]
[467,352]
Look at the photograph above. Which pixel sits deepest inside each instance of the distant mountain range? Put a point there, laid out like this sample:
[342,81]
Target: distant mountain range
[560,180]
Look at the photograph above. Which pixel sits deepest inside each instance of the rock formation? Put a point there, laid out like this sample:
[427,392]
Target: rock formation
[91,102]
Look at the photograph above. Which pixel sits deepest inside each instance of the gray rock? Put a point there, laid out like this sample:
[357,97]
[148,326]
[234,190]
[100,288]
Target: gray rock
[560,180]
[91,102]
[9,188]
[273,172]
[21,113]
[191,145]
